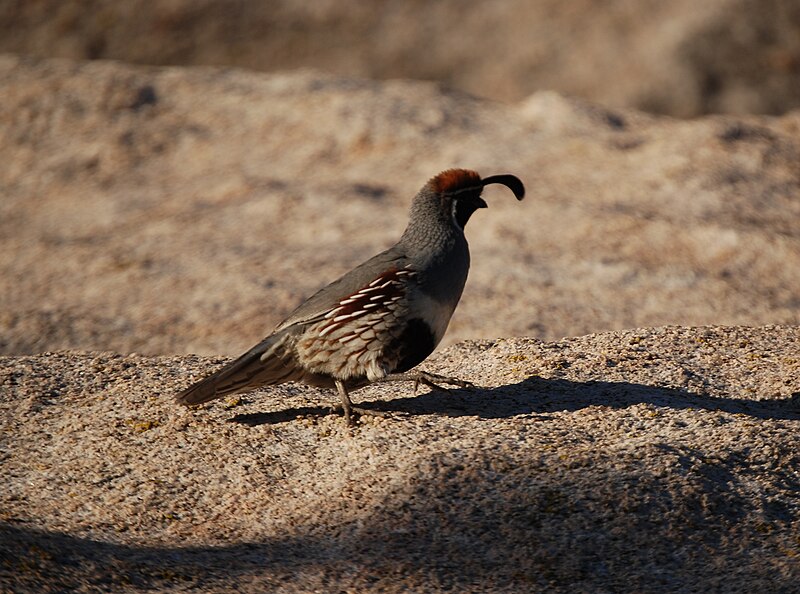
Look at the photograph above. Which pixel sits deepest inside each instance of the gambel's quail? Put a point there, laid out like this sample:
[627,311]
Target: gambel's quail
[382,318]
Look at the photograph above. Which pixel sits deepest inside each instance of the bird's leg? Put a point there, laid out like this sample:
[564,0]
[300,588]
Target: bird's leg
[348,409]
[431,380]
[347,406]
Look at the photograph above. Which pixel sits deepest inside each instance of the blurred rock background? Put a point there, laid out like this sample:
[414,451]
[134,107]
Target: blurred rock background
[190,207]
[678,57]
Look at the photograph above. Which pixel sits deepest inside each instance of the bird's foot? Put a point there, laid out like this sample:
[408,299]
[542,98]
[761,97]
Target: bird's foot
[426,378]
[352,413]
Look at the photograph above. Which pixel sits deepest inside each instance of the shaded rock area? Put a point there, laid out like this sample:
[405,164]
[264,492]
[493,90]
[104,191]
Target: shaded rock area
[678,57]
[650,460]
[189,210]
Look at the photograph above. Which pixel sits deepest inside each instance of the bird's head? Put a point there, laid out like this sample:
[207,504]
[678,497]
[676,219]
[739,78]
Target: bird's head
[456,193]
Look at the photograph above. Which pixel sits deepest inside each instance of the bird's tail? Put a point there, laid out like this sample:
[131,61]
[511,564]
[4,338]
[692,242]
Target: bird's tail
[267,363]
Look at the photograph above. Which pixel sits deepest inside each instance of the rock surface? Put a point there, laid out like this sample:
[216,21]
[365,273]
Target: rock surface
[189,210]
[651,460]
[180,210]
[679,57]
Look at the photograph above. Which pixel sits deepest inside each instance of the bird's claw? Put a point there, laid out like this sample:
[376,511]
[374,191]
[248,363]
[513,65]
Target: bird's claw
[355,412]
[431,380]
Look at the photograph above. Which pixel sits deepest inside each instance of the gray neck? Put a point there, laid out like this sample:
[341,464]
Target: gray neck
[430,231]
[434,244]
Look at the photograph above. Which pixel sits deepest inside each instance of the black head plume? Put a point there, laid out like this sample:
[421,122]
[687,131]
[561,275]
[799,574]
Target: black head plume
[512,182]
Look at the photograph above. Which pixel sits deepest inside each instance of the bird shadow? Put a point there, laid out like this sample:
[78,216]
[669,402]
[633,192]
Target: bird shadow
[535,395]
[281,416]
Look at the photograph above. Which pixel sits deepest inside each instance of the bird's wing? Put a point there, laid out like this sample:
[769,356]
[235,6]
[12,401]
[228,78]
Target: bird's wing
[316,307]
[267,363]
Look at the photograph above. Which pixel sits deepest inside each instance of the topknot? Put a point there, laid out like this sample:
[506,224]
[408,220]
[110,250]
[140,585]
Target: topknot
[453,180]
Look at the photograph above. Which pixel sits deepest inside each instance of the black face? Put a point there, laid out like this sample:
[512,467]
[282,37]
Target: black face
[464,205]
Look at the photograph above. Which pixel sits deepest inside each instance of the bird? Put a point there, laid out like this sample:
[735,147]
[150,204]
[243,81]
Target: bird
[381,319]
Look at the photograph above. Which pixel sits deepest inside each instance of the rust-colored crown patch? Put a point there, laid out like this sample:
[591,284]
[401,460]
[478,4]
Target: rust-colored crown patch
[453,180]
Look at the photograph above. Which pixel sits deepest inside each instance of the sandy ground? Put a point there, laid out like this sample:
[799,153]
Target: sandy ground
[653,460]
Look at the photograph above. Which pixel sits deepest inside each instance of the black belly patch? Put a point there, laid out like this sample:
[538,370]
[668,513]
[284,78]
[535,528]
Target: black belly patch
[413,346]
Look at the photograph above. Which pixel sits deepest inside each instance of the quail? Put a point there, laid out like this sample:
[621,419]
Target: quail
[381,319]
